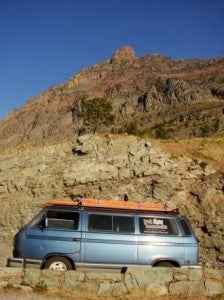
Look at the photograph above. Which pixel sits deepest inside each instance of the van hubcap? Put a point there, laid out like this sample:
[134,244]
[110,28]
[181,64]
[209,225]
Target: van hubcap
[58,265]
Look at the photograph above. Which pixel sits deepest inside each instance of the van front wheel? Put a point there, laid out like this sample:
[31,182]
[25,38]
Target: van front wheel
[58,263]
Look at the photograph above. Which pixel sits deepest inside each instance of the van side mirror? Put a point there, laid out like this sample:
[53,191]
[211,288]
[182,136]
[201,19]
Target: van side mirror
[44,224]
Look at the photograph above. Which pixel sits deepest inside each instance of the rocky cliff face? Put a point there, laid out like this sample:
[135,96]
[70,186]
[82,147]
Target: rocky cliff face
[184,96]
[110,167]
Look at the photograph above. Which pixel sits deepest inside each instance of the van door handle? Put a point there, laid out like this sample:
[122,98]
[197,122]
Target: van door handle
[76,240]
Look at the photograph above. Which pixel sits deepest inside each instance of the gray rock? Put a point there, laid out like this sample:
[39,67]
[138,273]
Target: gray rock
[80,287]
[156,289]
[73,281]
[195,274]
[51,278]
[70,286]
[209,170]
[102,276]
[105,289]
[3,284]
[14,276]
[213,287]
[145,277]
[130,283]
[74,276]
[26,289]
[187,288]
[220,257]
[181,271]
[180,277]
[115,289]
[213,274]
[32,277]
[3,189]
[92,287]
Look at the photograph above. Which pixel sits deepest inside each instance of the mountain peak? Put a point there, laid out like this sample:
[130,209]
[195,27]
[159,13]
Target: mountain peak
[125,53]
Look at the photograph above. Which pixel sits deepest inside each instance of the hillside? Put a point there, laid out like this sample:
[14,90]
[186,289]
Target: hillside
[110,167]
[185,98]
[42,155]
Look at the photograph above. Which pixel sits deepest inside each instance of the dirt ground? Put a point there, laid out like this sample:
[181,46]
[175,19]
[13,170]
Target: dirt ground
[25,296]
[209,150]
[16,295]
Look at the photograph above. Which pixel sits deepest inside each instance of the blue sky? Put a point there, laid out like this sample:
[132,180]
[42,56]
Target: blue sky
[45,42]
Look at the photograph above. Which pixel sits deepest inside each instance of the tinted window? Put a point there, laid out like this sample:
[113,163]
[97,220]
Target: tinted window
[60,220]
[111,223]
[154,225]
[100,222]
[185,227]
[123,224]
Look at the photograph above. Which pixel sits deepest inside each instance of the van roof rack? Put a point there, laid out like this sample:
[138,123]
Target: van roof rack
[110,204]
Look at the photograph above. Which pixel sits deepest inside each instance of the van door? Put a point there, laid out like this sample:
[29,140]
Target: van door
[110,239]
[56,232]
[159,239]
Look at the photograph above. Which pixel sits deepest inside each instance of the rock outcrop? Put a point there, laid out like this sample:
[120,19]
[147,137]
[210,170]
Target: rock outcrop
[124,54]
[147,90]
[111,167]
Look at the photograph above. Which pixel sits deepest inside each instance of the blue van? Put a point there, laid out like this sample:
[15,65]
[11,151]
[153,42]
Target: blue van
[66,238]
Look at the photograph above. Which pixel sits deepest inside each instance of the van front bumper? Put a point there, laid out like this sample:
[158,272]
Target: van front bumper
[23,263]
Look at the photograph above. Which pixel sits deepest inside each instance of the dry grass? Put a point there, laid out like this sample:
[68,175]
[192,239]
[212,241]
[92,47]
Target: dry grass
[209,150]
[17,294]
[35,147]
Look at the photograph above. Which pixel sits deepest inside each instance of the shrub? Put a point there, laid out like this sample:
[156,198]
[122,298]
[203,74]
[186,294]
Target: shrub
[132,128]
[161,132]
[96,112]
[205,130]
[216,125]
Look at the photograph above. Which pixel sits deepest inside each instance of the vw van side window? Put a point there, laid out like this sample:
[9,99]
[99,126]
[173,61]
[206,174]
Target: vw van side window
[123,224]
[185,227]
[101,222]
[60,220]
[158,226]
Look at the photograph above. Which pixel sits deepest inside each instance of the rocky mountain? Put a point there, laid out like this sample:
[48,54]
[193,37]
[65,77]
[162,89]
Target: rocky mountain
[186,97]
[42,158]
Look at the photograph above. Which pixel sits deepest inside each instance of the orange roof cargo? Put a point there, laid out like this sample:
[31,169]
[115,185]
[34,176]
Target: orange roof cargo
[108,204]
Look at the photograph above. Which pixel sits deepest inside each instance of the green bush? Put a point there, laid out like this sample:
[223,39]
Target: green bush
[161,132]
[96,112]
[216,125]
[132,128]
[205,130]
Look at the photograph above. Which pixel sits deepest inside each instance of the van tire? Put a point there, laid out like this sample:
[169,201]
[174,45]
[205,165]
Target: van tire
[58,263]
[166,264]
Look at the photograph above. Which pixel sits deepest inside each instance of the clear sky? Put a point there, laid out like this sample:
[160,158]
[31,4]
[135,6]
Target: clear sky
[45,42]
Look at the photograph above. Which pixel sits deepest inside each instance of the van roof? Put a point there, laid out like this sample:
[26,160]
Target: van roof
[109,204]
